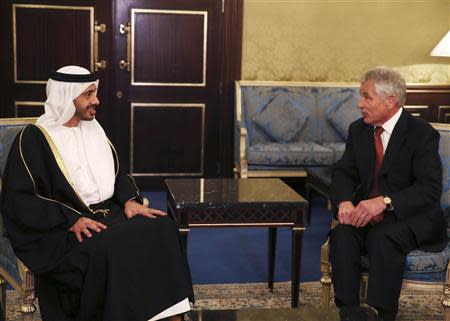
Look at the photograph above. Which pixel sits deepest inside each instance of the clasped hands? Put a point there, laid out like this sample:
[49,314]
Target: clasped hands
[84,225]
[371,210]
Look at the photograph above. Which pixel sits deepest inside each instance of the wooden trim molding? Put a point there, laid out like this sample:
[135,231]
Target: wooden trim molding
[231,71]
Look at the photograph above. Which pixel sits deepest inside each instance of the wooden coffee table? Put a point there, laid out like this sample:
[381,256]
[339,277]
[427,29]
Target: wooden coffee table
[252,202]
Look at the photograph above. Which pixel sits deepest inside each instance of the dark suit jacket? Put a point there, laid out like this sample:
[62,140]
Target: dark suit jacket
[411,175]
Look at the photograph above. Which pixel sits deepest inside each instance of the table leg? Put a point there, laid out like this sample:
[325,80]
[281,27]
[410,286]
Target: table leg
[271,257]
[297,236]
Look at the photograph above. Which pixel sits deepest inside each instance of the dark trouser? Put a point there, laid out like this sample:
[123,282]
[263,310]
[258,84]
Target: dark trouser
[386,245]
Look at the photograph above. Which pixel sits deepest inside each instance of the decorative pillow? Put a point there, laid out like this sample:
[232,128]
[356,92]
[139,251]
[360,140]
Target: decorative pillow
[342,113]
[281,120]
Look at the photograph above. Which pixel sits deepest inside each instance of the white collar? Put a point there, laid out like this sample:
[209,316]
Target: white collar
[389,125]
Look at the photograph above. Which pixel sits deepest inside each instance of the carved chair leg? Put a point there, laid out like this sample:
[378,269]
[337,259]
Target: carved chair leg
[363,287]
[28,297]
[325,280]
[3,296]
[446,300]
[28,308]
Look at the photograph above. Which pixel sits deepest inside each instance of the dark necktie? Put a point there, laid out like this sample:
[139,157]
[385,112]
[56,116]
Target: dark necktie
[378,160]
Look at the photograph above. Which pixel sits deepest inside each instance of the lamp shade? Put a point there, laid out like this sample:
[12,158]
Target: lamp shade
[443,47]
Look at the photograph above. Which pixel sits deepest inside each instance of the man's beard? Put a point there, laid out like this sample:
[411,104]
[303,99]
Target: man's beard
[86,114]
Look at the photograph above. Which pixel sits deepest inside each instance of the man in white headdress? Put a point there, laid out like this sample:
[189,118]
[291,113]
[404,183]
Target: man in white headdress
[79,224]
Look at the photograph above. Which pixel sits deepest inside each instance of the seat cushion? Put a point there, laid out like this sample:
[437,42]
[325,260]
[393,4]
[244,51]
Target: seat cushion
[290,154]
[427,266]
[338,149]
[281,119]
[343,112]
[8,261]
[423,266]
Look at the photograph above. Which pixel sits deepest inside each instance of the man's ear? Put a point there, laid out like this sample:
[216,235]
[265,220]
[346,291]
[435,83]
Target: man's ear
[392,101]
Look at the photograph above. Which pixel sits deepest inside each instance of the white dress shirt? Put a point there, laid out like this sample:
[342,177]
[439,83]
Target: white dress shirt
[388,128]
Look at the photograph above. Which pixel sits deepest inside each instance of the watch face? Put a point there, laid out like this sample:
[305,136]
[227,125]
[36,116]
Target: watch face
[388,202]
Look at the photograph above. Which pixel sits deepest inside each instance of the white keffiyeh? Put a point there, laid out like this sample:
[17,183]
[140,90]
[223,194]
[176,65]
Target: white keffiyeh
[84,149]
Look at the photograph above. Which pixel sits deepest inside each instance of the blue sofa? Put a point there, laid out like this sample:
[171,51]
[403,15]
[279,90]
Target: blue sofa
[283,128]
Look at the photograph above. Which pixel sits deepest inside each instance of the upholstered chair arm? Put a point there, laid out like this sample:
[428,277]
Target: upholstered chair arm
[240,140]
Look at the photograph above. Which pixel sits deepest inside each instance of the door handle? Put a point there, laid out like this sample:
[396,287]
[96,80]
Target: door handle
[102,64]
[125,64]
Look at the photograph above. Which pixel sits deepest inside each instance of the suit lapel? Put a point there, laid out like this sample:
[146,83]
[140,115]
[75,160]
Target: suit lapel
[397,137]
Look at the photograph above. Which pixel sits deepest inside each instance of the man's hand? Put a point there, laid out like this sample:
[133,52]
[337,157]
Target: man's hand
[133,208]
[83,225]
[367,211]
[377,219]
[345,213]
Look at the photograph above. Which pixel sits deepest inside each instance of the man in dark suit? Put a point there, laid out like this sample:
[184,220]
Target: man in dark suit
[386,189]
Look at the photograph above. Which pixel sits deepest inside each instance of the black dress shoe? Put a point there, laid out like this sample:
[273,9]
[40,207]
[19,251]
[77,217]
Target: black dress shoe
[370,314]
[387,315]
[358,314]
[348,313]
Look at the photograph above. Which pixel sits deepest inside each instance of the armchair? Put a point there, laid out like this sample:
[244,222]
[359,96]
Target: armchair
[423,269]
[12,270]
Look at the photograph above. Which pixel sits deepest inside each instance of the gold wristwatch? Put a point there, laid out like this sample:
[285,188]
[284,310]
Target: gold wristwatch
[388,202]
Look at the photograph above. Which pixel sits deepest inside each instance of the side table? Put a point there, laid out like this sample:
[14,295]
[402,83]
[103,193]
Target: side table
[227,202]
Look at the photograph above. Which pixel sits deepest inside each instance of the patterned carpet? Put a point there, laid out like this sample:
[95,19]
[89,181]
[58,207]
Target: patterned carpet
[414,304]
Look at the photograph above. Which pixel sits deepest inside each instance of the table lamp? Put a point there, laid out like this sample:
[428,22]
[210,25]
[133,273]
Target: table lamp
[442,49]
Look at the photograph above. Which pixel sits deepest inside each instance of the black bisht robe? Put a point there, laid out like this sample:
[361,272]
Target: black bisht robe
[132,271]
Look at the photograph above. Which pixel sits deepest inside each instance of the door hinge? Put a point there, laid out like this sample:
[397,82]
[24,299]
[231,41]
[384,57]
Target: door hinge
[223,6]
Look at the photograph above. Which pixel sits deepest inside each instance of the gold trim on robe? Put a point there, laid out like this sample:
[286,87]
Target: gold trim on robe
[32,179]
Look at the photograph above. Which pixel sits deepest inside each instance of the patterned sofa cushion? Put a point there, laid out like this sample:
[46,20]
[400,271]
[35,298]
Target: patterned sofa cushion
[342,112]
[304,154]
[282,119]
[256,98]
[328,99]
